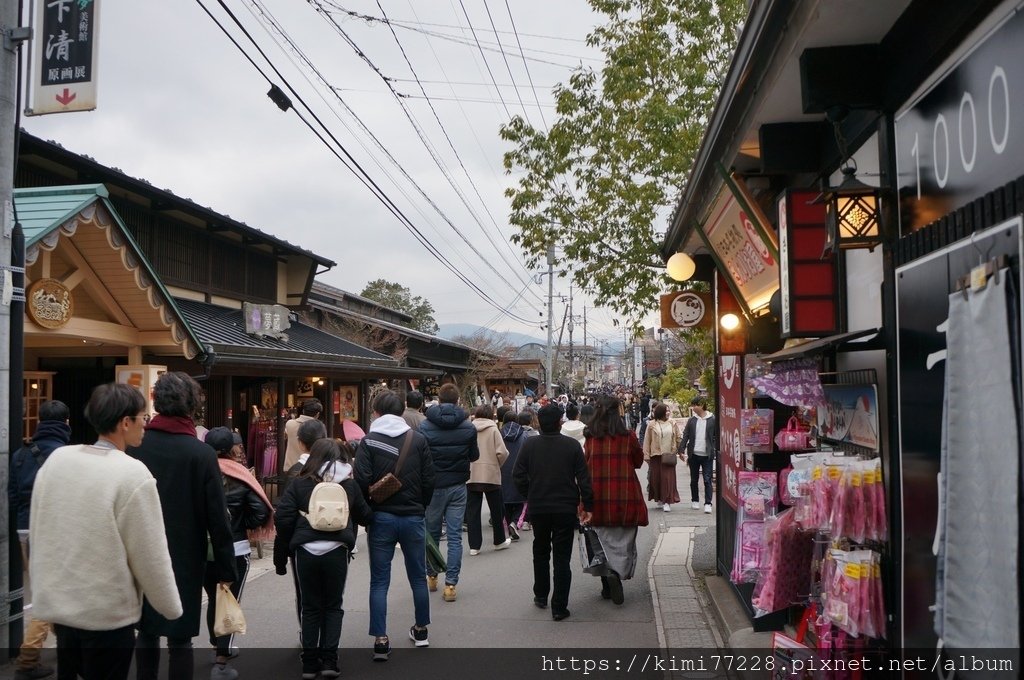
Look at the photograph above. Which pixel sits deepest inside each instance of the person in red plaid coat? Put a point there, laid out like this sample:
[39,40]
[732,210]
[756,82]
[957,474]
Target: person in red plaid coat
[613,456]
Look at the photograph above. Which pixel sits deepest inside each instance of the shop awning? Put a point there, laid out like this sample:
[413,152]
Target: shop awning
[813,347]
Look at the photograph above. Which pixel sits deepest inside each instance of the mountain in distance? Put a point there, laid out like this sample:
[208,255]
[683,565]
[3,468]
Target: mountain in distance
[448,331]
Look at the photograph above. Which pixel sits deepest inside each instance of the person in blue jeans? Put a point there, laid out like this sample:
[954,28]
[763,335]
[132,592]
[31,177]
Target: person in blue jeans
[453,446]
[397,519]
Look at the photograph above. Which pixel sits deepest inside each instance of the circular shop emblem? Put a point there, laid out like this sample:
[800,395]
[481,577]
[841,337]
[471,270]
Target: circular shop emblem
[687,309]
[49,303]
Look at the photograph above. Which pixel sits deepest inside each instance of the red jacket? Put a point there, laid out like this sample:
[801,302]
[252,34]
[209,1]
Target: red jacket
[618,498]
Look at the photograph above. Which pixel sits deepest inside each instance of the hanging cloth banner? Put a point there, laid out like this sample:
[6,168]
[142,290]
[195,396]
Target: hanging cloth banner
[794,383]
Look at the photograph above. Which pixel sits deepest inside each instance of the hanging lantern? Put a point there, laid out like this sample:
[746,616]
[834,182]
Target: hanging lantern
[680,267]
[852,213]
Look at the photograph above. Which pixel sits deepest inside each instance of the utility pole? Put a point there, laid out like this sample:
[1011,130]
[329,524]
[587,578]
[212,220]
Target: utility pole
[572,358]
[551,317]
[12,36]
[586,351]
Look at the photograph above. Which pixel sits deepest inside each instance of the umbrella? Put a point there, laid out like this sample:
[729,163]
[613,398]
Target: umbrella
[435,559]
[351,432]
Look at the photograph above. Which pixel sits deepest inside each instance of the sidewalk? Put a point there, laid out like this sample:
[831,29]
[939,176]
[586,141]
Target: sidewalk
[693,607]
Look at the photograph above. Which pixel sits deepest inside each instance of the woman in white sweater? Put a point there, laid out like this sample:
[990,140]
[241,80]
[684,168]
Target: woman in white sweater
[98,541]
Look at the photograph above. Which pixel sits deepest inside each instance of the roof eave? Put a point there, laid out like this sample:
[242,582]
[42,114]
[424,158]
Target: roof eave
[748,65]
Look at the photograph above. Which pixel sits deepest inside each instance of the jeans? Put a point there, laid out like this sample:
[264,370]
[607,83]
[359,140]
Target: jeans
[94,654]
[552,540]
[210,582]
[384,532]
[495,506]
[322,582]
[700,466]
[448,503]
[147,657]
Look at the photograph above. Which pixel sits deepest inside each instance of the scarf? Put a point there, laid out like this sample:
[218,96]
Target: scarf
[172,425]
[239,472]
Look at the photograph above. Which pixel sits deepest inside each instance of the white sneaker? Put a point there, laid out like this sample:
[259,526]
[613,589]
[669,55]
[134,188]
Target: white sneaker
[502,546]
[695,505]
[707,508]
[667,507]
[474,551]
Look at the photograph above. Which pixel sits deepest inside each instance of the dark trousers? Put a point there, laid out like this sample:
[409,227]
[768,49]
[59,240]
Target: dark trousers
[298,593]
[210,581]
[496,506]
[513,511]
[94,654]
[322,585]
[700,466]
[147,657]
[552,540]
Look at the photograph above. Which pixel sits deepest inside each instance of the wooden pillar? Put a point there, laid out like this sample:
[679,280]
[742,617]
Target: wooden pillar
[329,407]
[282,417]
[229,403]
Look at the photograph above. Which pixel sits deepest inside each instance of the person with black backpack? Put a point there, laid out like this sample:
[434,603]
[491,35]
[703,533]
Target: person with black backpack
[315,521]
[52,432]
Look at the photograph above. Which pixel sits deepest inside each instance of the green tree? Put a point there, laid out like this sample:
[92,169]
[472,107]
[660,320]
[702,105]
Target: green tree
[619,153]
[397,296]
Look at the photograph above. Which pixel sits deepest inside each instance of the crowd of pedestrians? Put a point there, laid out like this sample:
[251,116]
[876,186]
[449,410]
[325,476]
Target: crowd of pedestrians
[152,516]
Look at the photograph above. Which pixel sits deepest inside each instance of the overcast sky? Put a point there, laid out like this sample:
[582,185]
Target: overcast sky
[181,107]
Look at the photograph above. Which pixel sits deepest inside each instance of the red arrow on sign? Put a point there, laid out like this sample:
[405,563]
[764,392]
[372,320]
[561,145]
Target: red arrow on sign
[66,97]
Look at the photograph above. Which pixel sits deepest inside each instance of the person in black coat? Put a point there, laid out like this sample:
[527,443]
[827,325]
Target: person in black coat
[52,432]
[321,557]
[191,492]
[251,518]
[552,474]
[514,436]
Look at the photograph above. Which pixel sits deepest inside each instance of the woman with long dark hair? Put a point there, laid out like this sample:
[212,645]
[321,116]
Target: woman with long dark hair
[613,455]
[660,444]
[252,517]
[321,557]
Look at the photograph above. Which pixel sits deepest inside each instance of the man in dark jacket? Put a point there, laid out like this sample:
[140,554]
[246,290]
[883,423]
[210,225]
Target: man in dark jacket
[553,476]
[52,432]
[452,440]
[191,492]
[398,518]
[700,445]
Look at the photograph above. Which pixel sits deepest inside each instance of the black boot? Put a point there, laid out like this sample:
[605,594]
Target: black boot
[606,591]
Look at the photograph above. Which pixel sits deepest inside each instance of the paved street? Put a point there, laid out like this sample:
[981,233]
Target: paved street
[666,606]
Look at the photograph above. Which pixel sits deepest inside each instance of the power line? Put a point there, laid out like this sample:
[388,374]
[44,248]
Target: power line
[419,132]
[505,59]
[457,82]
[489,46]
[526,65]
[405,22]
[454,150]
[269,18]
[467,100]
[486,63]
[351,164]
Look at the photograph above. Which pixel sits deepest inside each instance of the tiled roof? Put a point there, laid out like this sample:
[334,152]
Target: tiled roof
[224,328]
[42,210]
[121,179]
